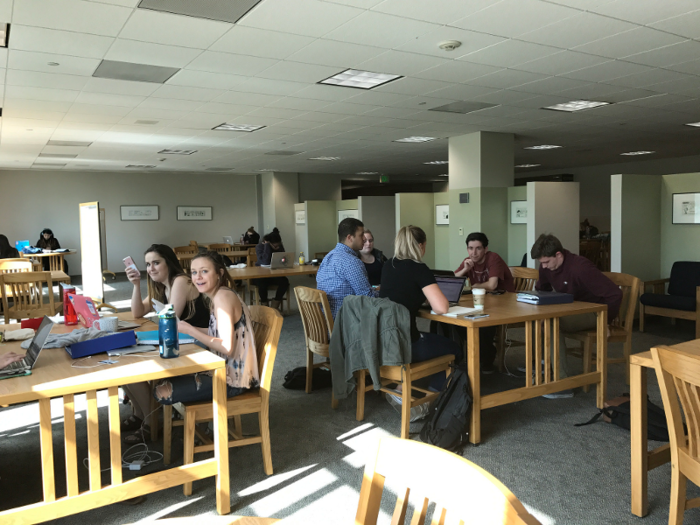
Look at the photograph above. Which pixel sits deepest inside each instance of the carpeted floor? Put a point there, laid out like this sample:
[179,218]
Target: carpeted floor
[563,474]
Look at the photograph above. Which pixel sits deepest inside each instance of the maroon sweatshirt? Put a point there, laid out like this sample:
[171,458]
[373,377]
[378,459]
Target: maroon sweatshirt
[578,276]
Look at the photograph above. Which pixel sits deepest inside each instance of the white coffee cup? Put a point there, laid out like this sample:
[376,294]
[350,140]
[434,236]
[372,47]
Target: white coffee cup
[107,324]
[479,295]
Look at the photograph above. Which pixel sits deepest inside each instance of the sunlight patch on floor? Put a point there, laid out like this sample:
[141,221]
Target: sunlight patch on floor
[273,481]
[172,508]
[365,446]
[293,493]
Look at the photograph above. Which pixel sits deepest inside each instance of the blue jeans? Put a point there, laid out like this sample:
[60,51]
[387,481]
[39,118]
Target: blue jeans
[188,389]
[433,345]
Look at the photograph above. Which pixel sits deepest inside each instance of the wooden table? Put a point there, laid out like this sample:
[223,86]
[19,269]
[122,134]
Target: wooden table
[504,309]
[644,460]
[60,277]
[56,260]
[54,377]
[260,272]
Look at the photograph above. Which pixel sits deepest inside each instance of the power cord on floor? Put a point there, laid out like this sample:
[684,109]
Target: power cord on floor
[508,344]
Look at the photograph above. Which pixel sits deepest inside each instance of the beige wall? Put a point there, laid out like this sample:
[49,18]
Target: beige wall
[441,235]
[464,218]
[679,242]
[418,209]
[319,187]
[286,195]
[35,200]
[377,214]
[517,233]
[321,225]
[494,219]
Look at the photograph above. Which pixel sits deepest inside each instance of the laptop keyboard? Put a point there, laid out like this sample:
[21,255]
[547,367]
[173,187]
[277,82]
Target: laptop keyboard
[17,365]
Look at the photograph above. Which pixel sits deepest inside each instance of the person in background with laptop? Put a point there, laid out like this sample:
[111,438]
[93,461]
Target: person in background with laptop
[271,243]
[166,283]
[7,251]
[408,281]
[563,271]
[341,272]
[48,242]
[372,258]
[485,269]
[251,236]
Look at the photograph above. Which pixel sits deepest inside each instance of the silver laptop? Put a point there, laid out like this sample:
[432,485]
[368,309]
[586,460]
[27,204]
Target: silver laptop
[282,260]
[228,240]
[24,367]
[451,286]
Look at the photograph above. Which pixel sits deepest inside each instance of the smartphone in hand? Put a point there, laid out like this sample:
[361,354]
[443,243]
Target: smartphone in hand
[129,263]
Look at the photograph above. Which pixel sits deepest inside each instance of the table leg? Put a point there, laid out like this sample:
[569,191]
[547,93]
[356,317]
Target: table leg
[473,369]
[223,484]
[70,444]
[93,435]
[115,435]
[528,354]
[602,360]
[638,436]
[46,439]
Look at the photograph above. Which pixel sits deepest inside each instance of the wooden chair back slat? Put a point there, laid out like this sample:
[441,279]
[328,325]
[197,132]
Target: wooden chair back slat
[316,318]
[252,257]
[630,285]
[220,247]
[267,326]
[525,278]
[411,464]
[26,291]
[185,250]
[15,265]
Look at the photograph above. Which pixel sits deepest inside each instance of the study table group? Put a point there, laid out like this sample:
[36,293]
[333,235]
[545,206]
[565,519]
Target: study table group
[55,377]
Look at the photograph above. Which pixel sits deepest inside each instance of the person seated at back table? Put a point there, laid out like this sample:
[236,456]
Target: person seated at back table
[407,280]
[167,283]
[485,269]
[251,236]
[341,272]
[563,271]
[372,258]
[48,242]
[272,243]
[7,251]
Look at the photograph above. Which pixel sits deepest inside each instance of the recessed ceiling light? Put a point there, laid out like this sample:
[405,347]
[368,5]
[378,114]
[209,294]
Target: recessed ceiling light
[694,124]
[53,64]
[140,166]
[416,139]
[527,165]
[4,34]
[268,169]
[367,173]
[134,72]
[324,158]
[633,153]
[59,155]
[577,105]
[463,107]
[543,146]
[284,153]
[248,128]
[73,143]
[48,165]
[437,162]
[355,78]
[444,175]
[220,169]
[177,151]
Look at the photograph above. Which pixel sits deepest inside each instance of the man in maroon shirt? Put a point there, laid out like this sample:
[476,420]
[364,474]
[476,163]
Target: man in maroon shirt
[563,271]
[486,270]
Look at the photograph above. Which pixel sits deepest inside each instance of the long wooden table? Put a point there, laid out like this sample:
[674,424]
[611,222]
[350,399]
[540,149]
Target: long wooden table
[504,309]
[56,260]
[644,460]
[54,377]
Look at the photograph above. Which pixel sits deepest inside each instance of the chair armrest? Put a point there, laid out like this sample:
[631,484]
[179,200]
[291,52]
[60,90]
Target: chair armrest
[657,285]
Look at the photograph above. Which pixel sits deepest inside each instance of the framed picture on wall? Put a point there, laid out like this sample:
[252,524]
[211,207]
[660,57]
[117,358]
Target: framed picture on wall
[442,214]
[686,208]
[518,212]
[194,213]
[348,214]
[139,213]
[300,217]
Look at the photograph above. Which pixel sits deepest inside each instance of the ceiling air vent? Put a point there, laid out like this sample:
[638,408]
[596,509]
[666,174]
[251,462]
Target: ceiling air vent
[222,10]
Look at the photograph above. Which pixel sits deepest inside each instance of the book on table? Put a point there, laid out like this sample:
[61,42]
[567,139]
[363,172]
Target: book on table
[540,297]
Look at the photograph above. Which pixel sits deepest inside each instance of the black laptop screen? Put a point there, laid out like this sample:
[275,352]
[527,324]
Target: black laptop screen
[451,287]
[40,337]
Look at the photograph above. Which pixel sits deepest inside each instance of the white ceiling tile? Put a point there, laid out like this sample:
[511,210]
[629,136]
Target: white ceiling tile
[692,67]
[577,30]
[687,25]
[646,12]
[91,118]
[68,65]
[71,15]
[325,92]
[3,57]
[443,12]
[260,43]
[10,113]
[305,104]
[334,53]
[296,72]
[300,17]
[504,96]
[205,79]
[222,109]
[109,99]
[512,18]
[18,77]
[412,86]
[153,103]
[230,64]
[506,78]
[36,93]
[136,52]
[119,87]
[461,92]
[562,62]
[551,85]
[36,105]
[278,113]
[123,3]
[401,63]
[100,109]
[370,28]
[429,43]
[175,30]
[649,78]
[186,93]
[246,99]
[668,56]
[376,98]
[592,91]
[267,86]
[630,42]
[27,38]
[510,53]
[457,71]
[607,71]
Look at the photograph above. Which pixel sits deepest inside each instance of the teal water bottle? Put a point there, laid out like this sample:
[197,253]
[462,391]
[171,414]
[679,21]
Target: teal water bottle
[168,343]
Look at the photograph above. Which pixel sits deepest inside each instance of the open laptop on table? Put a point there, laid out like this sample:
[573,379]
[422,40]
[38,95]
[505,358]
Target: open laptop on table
[280,260]
[451,286]
[24,367]
[21,244]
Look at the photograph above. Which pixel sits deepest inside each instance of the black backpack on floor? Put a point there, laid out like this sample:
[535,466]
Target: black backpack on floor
[296,379]
[447,425]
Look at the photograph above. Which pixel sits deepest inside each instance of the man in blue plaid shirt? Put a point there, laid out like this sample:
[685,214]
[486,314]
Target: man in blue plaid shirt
[342,272]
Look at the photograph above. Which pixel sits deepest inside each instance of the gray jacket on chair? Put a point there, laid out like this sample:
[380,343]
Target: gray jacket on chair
[368,333]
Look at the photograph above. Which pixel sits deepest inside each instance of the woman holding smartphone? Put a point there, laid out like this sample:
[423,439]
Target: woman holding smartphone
[230,336]
[167,283]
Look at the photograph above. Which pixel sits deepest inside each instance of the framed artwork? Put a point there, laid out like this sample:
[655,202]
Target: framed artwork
[194,213]
[442,214]
[300,217]
[348,214]
[139,213]
[686,208]
[518,212]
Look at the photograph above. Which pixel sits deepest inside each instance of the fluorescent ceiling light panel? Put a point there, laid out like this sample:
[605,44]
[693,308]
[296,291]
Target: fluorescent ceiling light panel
[140,166]
[577,105]
[444,175]
[543,146]
[220,169]
[463,107]
[68,143]
[58,155]
[4,34]
[528,165]
[222,10]
[268,169]
[435,162]
[284,153]
[177,151]
[367,173]
[134,72]
[48,165]
[416,139]
[147,122]
[694,124]
[248,128]
[324,158]
[633,153]
[354,78]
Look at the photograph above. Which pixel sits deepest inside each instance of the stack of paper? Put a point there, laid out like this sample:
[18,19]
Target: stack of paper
[458,311]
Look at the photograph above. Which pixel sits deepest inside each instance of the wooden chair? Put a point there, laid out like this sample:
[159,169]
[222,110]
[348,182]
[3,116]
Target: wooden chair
[619,330]
[185,250]
[318,326]
[26,290]
[462,491]
[267,324]
[320,255]
[220,247]
[678,374]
